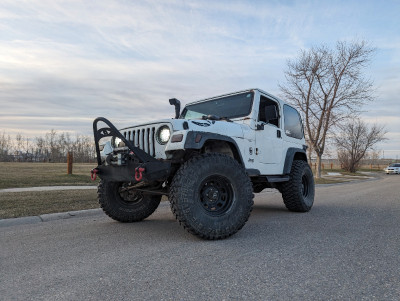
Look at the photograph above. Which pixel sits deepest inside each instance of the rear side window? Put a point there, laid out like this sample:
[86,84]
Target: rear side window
[293,125]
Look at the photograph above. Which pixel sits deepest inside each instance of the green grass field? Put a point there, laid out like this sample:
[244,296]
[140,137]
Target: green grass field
[22,174]
[17,204]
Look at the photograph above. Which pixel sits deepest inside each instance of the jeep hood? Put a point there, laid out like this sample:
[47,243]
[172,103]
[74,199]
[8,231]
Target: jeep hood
[212,126]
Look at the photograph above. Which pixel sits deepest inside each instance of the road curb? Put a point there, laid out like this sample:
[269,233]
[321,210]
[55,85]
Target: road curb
[20,221]
[27,220]
[48,217]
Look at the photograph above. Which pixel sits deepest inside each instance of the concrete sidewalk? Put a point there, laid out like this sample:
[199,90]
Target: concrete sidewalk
[47,188]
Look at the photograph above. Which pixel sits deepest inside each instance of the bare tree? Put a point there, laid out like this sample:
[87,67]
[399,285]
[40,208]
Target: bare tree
[328,86]
[5,146]
[40,149]
[19,142]
[353,142]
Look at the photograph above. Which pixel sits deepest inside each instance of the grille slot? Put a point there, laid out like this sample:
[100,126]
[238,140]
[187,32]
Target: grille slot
[143,138]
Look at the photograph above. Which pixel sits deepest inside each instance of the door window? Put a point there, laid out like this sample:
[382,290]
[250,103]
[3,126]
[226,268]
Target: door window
[293,125]
[267,107]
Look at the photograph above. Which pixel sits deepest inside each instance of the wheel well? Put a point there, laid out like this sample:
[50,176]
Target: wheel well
[300,156]
[293,154]
[223,147]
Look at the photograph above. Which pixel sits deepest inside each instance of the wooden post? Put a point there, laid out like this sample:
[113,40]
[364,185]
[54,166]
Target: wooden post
[331,166]
[70,159]
[323,166]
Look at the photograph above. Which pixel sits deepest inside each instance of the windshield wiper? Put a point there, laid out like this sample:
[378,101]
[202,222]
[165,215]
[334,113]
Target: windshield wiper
[215,117]
[226,119]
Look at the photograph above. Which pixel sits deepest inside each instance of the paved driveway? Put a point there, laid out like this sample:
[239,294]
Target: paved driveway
[347,247]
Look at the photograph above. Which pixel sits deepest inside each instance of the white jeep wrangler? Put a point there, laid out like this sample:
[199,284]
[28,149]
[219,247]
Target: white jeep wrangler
[208,161]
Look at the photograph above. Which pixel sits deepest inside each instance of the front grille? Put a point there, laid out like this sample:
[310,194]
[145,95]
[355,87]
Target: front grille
[143,138]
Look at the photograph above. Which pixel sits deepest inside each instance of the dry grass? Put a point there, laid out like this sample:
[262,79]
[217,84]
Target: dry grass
[22,174]
[17,204]
[328,181]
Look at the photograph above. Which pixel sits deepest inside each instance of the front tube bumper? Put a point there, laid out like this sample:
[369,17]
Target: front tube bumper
[137,165]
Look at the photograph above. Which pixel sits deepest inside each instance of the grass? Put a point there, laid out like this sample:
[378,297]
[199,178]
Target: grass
[23,174]
[326,181]
[17,204]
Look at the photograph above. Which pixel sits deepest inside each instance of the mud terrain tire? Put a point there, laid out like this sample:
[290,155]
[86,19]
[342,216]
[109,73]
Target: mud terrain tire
[211,196]
[298,192]
[126,207]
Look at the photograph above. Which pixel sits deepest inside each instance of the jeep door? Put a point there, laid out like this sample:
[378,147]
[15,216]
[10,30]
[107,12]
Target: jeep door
[268,133]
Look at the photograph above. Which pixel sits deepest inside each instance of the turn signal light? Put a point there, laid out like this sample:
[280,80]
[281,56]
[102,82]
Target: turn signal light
[177,138]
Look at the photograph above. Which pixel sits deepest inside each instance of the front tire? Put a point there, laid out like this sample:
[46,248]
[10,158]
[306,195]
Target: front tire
[211,196]
[123,205]
[298,193]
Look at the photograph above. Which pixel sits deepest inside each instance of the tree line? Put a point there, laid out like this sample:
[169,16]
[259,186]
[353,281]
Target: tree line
[52,147]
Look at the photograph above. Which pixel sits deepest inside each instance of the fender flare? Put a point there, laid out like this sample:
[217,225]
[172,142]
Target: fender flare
[292,154]
[196,140]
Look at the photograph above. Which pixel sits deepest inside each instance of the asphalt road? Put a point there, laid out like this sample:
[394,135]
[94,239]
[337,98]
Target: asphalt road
[346,248]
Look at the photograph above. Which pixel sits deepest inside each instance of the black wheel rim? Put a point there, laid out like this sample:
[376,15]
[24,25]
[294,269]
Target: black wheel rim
[216,195]
[304,186]
[129,197]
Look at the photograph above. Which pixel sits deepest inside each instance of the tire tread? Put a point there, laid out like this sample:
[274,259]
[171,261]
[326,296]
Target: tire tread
[179,181]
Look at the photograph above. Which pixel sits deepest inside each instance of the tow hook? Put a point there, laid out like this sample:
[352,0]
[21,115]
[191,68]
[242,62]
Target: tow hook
[138,173]
[93,174]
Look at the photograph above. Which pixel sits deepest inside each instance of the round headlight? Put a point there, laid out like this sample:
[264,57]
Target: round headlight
[163,134]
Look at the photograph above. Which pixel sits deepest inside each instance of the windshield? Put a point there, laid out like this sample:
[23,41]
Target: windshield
[394,165]
[230,107]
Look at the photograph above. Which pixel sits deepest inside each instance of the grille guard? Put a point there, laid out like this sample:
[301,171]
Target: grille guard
[136,159]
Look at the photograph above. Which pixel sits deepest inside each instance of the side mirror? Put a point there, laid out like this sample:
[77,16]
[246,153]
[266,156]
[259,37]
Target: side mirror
[175,102]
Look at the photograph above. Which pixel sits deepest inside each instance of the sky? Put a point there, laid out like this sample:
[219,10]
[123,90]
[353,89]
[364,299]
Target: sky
[64,63]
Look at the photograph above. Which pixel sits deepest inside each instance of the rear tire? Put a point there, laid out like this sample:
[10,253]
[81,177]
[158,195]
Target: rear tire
[298,193]
[211,196]
[125,206]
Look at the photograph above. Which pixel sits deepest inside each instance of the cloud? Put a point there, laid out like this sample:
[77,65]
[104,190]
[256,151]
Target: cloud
[63,63]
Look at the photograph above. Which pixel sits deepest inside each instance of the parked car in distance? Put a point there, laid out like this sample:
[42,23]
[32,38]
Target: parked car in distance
[393,168]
